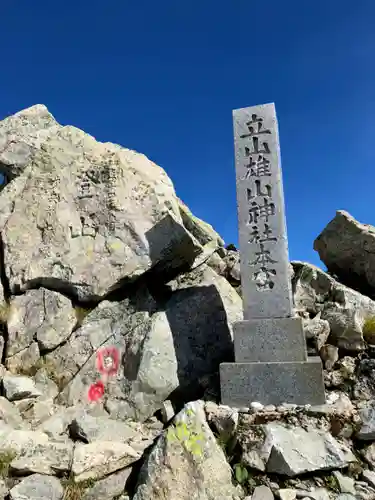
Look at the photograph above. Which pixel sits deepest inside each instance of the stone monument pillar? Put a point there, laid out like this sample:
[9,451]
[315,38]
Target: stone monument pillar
[271,364]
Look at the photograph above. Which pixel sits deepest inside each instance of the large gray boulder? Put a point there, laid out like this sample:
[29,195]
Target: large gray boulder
[53,233]
[197,467]
[345,309]
[165,347]
[347,248]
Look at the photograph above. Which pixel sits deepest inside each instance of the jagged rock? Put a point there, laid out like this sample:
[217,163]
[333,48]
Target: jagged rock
[345,309]
[329,354]
[37,411]
[109,487]
[196,464]
[262,493]
[167,411]
[161,351]
[9,414]
[56,427]
[223,418]
[100,458]
[42,314]
[19,387]
[109,324]
[88,429]
[367,429]
[17,441]
[341,406]
[369,476]
[24,360]
[37,487]
[287,494]
[316,330]
[345,496]
[49,458]
[368,454]
[317,494]
[77,248]
[347,248]
[290,450]
[345,483]
[200,229]
[232,271]
[3,489]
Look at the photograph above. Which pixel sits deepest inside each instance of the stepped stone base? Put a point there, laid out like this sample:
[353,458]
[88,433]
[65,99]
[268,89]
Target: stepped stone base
[298,383]
[269,340]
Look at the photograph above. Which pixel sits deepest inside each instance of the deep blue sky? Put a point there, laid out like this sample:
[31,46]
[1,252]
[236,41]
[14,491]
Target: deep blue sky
[163,77]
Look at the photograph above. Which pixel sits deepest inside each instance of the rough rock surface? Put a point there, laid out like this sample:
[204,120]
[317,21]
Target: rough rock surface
[144,278]
[196,464]
[347,248]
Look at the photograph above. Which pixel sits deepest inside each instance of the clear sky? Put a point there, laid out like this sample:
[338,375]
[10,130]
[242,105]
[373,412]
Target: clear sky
[163,77]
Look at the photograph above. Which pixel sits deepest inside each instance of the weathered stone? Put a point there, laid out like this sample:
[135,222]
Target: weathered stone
[287,494]
[37,487]
[17,441]
[293,451]
[100,458]
[329,354]
[19,387]
[345,309]
[196,464]
[368,454]
[369,477]
[69,244]
[88,429]
[24,360]
[262,493]
[48,458]
[367,429]
[42,314]
[223,418]
[347,248]
[109,487]
[201,230]
[232,271]
[167,411]
[317,494]
[56,426]
[10,414]
[20,134]
[345,483]
[316,330]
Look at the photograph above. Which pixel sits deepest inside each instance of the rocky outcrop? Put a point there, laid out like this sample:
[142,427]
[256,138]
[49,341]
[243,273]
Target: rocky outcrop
[117,310]
[347,248]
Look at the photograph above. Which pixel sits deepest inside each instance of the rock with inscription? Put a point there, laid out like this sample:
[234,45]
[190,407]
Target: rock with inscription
[345,309]
[55,236]
[347,248]
[197,467]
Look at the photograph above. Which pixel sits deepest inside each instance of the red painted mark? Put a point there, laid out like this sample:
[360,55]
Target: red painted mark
[107,360]
[96,391]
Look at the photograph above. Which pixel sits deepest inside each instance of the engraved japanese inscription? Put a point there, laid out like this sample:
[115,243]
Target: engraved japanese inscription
[262,229]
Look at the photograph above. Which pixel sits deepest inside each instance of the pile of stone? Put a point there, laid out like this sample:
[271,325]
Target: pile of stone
[96,250]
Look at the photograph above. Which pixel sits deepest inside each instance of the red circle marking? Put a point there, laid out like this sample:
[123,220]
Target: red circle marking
[96,391]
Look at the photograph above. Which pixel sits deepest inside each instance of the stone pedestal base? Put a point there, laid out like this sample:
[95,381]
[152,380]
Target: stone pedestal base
[298,383]
[275,340]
